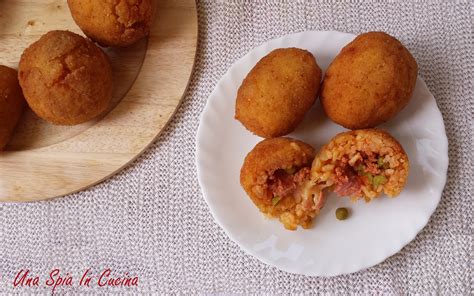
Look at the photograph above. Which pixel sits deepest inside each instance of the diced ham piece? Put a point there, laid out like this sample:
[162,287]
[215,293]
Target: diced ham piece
[347,181]
[302,175]
[283,184]
[371,167]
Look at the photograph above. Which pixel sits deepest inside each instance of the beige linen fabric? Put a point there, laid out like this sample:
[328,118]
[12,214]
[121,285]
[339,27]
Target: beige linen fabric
[151,220]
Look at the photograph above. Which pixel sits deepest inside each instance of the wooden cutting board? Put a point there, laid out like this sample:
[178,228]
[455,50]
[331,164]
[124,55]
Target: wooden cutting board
[44,161]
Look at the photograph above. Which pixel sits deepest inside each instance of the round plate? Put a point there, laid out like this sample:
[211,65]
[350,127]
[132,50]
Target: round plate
[374,231]
[43,160]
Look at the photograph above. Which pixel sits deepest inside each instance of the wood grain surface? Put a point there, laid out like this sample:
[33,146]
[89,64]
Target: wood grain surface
[44,161]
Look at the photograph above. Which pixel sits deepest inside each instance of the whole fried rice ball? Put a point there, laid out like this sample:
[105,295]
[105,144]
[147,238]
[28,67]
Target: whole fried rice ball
[116,23]
[276,94]
[369,81]
[362,164]
[12,103]
[276,176]
[66,79]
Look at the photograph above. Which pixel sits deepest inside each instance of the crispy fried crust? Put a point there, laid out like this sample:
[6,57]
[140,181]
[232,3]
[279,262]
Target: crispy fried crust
[117,23]
[351,145]
[66,79]
[265,158]
[277,92]
[12,103]
[369,81]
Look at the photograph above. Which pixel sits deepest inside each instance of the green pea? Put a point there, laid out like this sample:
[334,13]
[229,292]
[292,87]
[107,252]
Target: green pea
[369,176]
[380,162]
[342,214]
[379,180]
[276,200]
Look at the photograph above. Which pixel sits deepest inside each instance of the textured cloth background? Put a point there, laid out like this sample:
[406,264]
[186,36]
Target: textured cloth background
[152,221]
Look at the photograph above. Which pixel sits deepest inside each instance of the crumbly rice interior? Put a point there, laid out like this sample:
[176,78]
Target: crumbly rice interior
[290,196]
[360,168]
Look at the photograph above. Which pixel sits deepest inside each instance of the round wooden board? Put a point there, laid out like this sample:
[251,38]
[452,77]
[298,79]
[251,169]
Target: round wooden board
[44,161]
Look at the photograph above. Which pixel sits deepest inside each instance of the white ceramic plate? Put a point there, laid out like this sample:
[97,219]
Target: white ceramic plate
[374,231]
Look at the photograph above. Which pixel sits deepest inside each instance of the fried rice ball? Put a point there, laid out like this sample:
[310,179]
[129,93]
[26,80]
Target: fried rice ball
[276,176]
[12,104]
[66,79]
[362,164]
[277,92]
[116,23]
[369,81]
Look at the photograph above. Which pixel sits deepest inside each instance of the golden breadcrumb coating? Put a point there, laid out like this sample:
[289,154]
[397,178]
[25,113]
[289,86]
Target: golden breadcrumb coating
[116,23]
[369,81]
[66,79]
[277,92]
[12,103]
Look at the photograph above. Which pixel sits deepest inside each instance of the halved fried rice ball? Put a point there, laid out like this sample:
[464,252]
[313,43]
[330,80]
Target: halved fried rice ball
[362,164]
[276,176]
